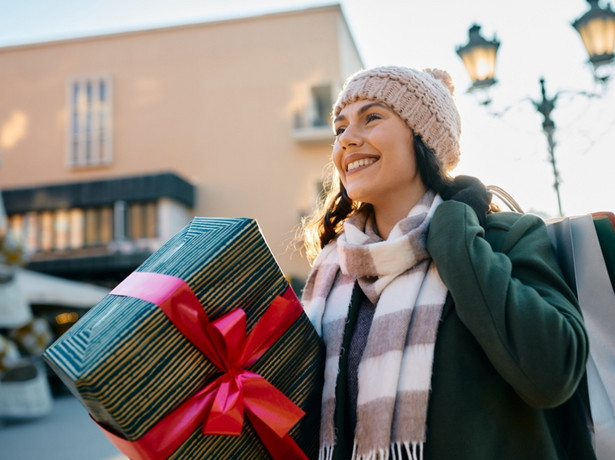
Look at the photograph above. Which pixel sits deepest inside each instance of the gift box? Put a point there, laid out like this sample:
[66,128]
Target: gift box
[202,352]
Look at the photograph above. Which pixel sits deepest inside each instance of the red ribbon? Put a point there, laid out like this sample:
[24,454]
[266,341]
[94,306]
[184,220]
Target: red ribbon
[220,406]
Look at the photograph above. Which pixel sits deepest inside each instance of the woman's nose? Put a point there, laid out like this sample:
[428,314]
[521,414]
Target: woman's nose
[350,136]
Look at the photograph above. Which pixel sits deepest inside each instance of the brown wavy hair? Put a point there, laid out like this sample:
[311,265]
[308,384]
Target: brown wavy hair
[327,220]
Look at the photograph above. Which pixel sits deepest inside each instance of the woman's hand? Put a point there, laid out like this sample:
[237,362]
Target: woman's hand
[472,192]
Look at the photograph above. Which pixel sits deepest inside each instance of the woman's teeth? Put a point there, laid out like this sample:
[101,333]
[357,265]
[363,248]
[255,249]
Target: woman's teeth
[359,163]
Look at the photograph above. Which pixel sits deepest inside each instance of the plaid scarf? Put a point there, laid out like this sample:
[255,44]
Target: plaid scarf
[395,370]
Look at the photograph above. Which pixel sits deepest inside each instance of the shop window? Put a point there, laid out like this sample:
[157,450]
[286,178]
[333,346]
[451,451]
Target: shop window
[46,231]
[77,227]
[91,223]
[98,225]
[106,224]
[119,221]
[143,220]
[61,229]
[31,230]
[16,226]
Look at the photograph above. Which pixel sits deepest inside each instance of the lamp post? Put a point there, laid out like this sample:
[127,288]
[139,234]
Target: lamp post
[597,30]
[545,106]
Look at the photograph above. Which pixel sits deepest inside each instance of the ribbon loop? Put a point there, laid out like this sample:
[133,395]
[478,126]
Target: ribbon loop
[232,328]
[282,312]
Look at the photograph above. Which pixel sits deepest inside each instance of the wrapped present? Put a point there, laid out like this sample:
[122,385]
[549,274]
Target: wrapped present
[202,352]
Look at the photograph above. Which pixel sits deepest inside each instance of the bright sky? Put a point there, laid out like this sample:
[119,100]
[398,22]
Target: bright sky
[510,150]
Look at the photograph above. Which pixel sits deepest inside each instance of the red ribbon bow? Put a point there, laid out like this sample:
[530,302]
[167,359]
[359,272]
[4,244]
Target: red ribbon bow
[220,406]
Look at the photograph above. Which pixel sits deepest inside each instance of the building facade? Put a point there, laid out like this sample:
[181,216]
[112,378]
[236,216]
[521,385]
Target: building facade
[111,144]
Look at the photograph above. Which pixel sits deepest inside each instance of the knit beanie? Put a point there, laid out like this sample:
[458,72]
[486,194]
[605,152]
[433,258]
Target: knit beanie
[423,99]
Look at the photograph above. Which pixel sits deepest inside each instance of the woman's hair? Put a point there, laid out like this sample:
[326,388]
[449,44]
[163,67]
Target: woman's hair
[327,220]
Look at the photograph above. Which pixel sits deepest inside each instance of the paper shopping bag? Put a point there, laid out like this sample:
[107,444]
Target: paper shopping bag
[579,254]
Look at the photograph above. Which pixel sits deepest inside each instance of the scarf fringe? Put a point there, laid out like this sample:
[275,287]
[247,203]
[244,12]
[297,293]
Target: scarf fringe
[326,453]
[414,451]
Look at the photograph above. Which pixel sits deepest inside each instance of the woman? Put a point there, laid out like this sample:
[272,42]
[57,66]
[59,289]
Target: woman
[450,332]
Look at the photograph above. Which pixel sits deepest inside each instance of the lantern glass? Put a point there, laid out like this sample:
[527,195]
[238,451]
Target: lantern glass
[480,64]
[598,36]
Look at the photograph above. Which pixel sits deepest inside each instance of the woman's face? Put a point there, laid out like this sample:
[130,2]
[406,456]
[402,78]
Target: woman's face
[374,155]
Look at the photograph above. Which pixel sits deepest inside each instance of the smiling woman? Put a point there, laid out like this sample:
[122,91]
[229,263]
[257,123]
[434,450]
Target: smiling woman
[374,156]
[450,332]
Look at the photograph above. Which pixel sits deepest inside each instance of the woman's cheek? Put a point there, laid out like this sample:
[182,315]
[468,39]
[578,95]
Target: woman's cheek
[336,156]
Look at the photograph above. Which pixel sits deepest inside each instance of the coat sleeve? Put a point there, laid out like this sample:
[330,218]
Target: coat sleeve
[513,300]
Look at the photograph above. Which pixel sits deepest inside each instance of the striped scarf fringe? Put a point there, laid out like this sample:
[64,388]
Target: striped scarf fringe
[413,451]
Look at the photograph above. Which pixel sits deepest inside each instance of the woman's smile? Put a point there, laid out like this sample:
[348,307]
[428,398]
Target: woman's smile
[360,164]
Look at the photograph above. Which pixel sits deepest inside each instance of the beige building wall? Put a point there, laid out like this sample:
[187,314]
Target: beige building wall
[226,105]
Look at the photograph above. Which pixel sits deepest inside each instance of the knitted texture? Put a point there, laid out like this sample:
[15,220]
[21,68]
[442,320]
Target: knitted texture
[423,99]
[394,373]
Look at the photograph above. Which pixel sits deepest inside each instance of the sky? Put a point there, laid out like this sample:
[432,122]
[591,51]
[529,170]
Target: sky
[502,144]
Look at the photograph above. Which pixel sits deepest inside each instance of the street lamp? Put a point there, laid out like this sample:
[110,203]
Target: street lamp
[478,56]
[597,30]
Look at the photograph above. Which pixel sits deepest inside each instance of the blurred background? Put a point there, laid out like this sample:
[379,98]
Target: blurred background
[121,120]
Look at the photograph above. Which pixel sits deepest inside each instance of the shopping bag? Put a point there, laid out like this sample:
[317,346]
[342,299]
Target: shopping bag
[579,254]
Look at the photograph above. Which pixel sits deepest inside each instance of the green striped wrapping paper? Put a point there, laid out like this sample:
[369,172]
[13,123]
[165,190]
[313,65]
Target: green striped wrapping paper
[129,365]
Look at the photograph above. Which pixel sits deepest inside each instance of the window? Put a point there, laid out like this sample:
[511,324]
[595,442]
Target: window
[321,97]
[312,122]
[90,129]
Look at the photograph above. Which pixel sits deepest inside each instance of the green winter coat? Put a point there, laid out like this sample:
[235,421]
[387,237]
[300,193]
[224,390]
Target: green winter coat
[511,348]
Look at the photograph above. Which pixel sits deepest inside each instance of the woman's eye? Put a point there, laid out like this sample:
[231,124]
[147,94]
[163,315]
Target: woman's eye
[339,131]
[372,117]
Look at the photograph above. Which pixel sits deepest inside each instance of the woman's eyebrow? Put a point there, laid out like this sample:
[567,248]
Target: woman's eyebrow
[339,118]
[367,107]
[362,110]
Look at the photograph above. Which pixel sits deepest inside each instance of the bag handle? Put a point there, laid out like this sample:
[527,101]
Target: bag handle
[506,198]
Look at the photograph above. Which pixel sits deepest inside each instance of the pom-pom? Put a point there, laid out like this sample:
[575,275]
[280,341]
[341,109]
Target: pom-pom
[444,77]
